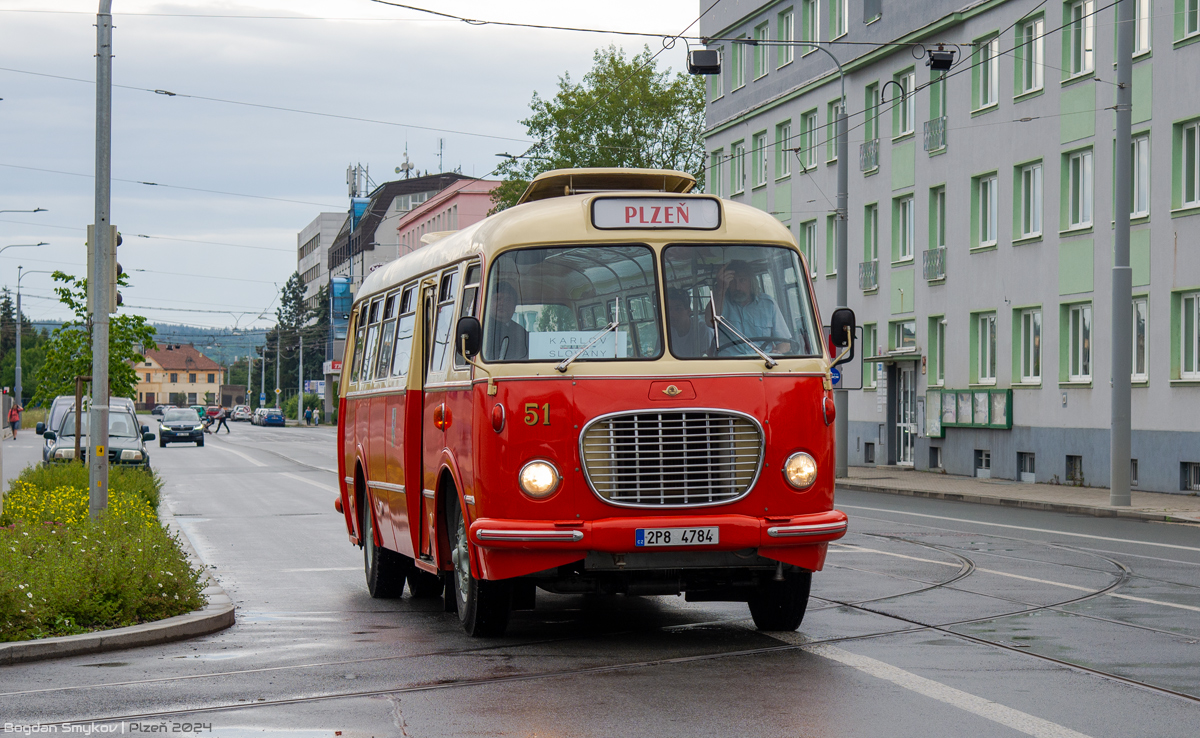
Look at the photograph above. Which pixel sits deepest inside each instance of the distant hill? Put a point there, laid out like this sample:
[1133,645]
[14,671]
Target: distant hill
[222,345]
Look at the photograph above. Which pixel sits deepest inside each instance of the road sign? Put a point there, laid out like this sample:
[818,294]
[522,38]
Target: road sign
[278,391]
[835,374]
[262,398]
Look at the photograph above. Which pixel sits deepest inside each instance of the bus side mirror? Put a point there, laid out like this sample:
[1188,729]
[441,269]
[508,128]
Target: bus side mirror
[470,336]
[841,333]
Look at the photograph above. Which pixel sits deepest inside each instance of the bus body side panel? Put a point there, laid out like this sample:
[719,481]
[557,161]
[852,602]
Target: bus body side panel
[393,441]
[411,449]
[344,470]
[459,455]
[375,443]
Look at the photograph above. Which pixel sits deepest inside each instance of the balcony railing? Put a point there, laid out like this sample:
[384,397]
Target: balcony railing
[868,155]
[934,265]
[868,275]
[935,134]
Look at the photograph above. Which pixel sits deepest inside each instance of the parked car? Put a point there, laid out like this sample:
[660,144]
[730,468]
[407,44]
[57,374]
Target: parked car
[273,417]
[180,424]
[126,440]
[64,404]
[257,417]
[241,412]
[159,409]
[212,411]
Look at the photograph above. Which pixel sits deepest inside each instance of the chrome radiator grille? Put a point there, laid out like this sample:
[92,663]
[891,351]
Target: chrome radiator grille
[677,458]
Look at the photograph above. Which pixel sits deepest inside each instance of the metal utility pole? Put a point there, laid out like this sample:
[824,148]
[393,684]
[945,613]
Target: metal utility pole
[300,382]
[1120,453]
[17,378]
[841,397]
[102,268]
[278,360]
[262,384]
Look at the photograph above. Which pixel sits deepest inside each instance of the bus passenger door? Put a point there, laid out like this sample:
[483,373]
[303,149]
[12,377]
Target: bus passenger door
[438,314]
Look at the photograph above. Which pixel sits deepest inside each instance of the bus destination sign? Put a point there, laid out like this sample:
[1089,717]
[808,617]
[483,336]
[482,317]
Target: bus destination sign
[656,212]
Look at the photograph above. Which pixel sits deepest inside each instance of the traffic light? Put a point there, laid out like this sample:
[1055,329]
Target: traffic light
[117,272]
[114,296]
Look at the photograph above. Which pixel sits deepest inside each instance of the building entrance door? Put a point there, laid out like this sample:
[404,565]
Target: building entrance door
[906,413]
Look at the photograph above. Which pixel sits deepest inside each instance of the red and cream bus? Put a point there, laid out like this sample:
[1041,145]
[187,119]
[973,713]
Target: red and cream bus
[616,386]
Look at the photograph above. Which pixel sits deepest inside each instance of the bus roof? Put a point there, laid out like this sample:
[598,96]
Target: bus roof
[566,182]
[565,218]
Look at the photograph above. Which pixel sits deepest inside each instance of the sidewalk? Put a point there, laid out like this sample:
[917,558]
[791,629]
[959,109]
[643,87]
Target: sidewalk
[1180,508]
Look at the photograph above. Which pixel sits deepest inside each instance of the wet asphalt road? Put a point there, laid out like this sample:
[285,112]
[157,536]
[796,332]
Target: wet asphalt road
[931,618]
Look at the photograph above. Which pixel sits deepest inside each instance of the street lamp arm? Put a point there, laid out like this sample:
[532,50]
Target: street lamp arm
[21,245]
[811,45]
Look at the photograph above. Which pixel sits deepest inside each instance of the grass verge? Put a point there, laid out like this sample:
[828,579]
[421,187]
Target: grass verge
[62,573]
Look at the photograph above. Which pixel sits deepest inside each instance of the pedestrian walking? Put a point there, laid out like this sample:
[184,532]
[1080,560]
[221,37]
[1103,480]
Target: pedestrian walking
[308,415]
[317,416]
[222,420]
[14,417]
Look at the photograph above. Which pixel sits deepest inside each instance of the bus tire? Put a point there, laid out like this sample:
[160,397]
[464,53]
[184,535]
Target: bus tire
[386,570]
[781,605]
[422,584]
[483,606]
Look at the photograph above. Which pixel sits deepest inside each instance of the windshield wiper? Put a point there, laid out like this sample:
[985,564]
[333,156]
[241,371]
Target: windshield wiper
[717,319]
[612,326]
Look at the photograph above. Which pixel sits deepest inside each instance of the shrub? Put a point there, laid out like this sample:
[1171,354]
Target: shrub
[62,572]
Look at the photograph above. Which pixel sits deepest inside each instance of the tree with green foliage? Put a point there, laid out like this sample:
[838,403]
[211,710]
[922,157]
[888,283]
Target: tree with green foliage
[68,353]
[625,113]
[32,344]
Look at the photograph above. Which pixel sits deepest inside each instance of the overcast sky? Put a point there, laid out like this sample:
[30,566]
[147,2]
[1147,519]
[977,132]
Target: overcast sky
[231,252]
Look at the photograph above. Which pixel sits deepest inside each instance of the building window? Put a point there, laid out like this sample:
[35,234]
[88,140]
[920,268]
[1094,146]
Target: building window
[871,232]
[839,21]
[783,154]
[760,51]
[1188,155]
[871,117]
[737,167]
[985,348]
[1031,346]
[1079,189]
[1081,32]
[174,378]
[785,30]
[904,335]
[738,64]
[716,88]
[937,350]
[1189,476]
[1141,322]
[986,195]
[834,110]
[212,378]
[191,398]
[1190,336]
[192,378]
[1074,469]
[983,463]
[758,158]
[937,217]
[808,244]
[869,349]
[810,22]
[831,236]
[905,225]
[1080,344]
[1139,206]
[904,117]
[1142,26]
[1191,18]
[987,74]
[808,139]
[1031,60]
[1026,467]
[1031,200]
[147,376]
[716,173]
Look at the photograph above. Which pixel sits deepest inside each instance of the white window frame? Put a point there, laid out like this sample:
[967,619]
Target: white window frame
[1031,346]
[938,226]
[1081,35]
[716,172]
[810,31]
[989,200]
[737,65]
[1189,336]
[834,111]
[989,74]
[908,108]
[938,339]
[758,158]
[908,228]
[871,224]
[870,348]
[1031,200]
[1190,138]
[716,89]
[898,335]
[762,64]
[786,22]
[783,156]
[1033,60]
[1140,351]
[810,124]
[1143,28]
[1140,179]
[737,168]
[841,17]
[808,236]
[1079,346]
[986,354]
[1079,189]
[1191,18]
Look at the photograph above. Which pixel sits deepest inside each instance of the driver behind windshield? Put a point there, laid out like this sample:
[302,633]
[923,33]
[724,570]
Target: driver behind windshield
[751,313]
[507,339]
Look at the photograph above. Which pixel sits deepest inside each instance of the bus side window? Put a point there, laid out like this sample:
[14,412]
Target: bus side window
[360,332]
[439,354]
[371,346]
[387,334]
[469,308]
[404,332]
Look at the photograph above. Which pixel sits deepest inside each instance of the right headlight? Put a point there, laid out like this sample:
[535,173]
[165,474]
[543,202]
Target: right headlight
[538,479]
[64,453]
[800,470]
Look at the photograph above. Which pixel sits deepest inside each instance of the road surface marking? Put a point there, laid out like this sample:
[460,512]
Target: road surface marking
[256,462]
[994,711]
[1180,606]
[299,478]
[1022,527]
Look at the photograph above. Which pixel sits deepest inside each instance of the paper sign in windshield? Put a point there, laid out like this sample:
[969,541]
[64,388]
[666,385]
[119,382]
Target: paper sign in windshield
[656,213]
[558,345]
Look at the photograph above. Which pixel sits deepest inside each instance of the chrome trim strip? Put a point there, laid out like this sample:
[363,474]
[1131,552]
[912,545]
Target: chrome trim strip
[469,499]
[387,486]
[762,443]
[429,494]
[814,529]
[530,535]
[348,480]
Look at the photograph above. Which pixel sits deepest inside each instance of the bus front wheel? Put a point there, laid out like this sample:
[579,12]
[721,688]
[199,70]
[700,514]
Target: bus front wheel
[385,570]
[483,606]
[780,605]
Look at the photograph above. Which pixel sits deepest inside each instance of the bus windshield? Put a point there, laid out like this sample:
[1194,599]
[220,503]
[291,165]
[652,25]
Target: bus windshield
[547,304]
[726,301]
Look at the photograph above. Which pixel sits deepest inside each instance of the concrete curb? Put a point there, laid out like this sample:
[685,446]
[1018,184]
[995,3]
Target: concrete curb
[218,614]
[1100,512]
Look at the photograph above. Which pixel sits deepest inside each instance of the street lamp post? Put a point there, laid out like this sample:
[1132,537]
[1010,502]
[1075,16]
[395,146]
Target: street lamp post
[20,397]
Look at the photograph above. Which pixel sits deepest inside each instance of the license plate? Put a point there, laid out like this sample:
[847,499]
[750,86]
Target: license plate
[645,537]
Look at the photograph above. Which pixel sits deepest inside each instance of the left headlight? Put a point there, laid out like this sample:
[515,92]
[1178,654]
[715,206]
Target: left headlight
[64,453]
[131,455]
[800,470]
[538,479]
